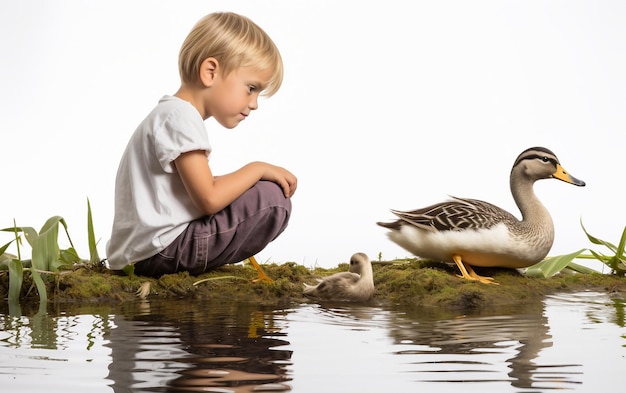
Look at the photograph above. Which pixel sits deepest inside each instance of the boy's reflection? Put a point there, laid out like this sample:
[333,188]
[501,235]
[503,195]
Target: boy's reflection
[193,346]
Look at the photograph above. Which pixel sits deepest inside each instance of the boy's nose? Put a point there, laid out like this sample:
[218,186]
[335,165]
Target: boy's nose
[253,104]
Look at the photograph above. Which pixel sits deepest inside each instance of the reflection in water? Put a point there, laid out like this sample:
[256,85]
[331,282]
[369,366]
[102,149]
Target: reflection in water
[195,346]
[473,348]
[54,349]
[531,348]
[569,341]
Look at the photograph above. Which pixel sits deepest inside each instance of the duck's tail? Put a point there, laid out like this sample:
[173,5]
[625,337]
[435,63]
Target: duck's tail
[390,225]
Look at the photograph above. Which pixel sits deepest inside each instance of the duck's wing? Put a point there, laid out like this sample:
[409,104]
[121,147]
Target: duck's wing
[453,215]
[342,279]
[333,287]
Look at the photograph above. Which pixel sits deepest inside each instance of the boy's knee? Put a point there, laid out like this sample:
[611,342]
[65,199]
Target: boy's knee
[273,194]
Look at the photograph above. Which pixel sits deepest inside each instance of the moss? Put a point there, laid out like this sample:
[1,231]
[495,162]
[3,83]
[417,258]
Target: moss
[404,282]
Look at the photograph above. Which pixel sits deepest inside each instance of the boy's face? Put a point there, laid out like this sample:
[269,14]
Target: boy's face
[233,97]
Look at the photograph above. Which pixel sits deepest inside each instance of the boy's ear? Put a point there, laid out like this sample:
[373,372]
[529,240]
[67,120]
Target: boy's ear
[208,71]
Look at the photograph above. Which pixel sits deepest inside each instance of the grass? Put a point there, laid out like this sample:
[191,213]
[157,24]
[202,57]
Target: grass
[615,260]
[61,275]
[404,282]
[47,258]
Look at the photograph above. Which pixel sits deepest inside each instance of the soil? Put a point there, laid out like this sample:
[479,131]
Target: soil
[400,282]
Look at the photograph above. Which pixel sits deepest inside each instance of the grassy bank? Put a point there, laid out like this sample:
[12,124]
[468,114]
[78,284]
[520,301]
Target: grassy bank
[405,282]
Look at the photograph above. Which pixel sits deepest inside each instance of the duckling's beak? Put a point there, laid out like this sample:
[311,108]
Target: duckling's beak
[562,174]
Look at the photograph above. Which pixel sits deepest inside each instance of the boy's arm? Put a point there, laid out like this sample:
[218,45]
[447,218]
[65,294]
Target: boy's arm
[212,194]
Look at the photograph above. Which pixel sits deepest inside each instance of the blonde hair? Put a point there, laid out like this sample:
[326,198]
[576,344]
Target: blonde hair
[234,41]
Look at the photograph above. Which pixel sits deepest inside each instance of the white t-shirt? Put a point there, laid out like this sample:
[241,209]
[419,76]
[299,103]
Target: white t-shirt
[152,206]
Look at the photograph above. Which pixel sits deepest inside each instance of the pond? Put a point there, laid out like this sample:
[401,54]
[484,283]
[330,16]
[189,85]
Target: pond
[573,341]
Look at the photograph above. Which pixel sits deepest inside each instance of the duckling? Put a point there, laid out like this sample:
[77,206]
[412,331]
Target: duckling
[357,284]
[471,232]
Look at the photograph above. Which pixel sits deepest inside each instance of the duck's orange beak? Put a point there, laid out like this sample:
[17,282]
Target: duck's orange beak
[562,174]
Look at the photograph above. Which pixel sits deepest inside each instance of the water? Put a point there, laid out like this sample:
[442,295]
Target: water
[573,342]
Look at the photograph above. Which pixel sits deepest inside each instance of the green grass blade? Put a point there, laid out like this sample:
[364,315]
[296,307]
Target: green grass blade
[91,237]
[219,278]
[52,224]
[41,287]
[4,248]
[595,240]
[16,278]
[66,257]
[581,269]
[618,259]
[129,270]
[601,257]
[552,265]
[67,233]
[11,229]
[18,240]
[622,243]
[5,257]
[611,262]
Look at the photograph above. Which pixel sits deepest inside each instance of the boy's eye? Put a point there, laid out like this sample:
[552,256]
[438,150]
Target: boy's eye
[251,89]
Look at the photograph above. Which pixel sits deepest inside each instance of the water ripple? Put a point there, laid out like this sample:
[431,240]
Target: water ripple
[171,346]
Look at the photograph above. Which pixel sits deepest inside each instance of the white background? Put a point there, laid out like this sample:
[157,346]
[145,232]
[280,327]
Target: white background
[385,104]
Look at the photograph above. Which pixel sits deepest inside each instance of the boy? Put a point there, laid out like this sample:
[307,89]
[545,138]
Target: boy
[171,213]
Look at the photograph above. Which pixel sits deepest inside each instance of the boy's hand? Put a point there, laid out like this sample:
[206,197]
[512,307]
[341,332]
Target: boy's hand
[212,194]
[285,179]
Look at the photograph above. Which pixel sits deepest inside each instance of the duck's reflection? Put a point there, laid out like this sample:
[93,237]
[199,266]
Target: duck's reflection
[479,343]
[194,346]
[447,346]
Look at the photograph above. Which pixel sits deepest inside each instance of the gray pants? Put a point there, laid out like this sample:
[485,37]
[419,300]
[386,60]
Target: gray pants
[239,231]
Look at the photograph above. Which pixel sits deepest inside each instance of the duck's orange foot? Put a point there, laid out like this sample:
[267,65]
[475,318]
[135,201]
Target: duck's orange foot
[482,279]
[469,274]
[262,276]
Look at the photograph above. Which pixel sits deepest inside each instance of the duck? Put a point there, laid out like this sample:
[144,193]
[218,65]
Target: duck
[472,232]
[355,285]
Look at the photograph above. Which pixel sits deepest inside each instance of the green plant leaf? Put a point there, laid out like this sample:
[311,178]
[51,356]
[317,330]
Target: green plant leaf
[11,229]
[46,248]
[595,240]
[618,259]
[41,287]
[552,265]
[16,277]
[580,268]
[67,233]
[5,257]
[617,262]
[51,222]
[66,257]
[30,234]
[129,270]
[601,257]
[622,243]
[91,237]
[4,248]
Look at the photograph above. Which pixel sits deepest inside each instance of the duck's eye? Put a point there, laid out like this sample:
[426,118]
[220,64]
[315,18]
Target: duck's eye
[545,159]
